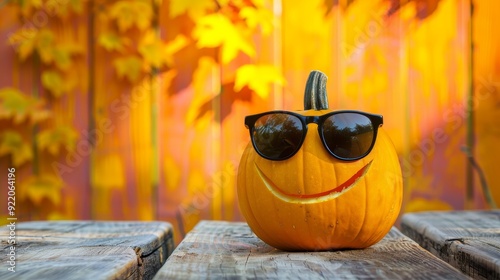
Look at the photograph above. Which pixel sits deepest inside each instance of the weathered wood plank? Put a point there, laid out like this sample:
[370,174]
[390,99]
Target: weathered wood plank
[468,240]
[222,250]
[88,250]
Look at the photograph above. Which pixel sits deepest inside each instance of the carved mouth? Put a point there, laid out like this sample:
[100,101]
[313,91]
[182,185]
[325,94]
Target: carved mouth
[316,197]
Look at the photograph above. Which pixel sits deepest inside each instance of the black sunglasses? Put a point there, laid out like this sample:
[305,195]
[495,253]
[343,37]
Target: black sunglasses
[347,135]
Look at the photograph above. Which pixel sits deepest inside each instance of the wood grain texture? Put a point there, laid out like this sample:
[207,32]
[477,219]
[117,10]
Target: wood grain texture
[468,240]
[224,250]
[88,250]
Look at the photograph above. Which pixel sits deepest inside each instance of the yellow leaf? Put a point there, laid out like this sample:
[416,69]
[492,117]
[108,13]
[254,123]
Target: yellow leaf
[76,5]
[128,67]
[156,53]
[11,142]
[63,8]
[62,55]
[36,188]
[216,30]
[45,45]
[38,114]
[123,14]
[43,41]
[151,48]
[60,137]
[53,81]
[130,13]
[194,8]
[24,41]
[113,42]
[210,31]
[255,17]
[15,104]
[258,78]
[28,5]
[144,15]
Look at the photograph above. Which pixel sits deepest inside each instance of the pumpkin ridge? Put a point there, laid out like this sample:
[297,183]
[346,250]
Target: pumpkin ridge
[379,233]
[257,228]
[365,213]
[374,236]
[365,216]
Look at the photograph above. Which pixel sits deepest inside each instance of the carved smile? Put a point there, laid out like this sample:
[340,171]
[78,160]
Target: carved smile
[316,197]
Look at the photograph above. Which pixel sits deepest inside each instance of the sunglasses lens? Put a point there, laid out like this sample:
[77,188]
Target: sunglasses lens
[277,136]
[348,135]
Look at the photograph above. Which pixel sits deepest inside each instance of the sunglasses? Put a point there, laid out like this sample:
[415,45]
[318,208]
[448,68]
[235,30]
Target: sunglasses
[347,135]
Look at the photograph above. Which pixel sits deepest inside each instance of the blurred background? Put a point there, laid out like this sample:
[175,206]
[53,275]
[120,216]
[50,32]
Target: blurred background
[133,110]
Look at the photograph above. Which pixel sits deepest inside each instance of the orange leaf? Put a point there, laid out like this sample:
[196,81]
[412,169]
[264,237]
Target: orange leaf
[258,78]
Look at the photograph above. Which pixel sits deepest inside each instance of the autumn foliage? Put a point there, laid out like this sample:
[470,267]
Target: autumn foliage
[133,109]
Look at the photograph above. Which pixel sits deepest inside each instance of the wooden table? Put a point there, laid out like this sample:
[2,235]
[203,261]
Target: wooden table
[224,250]
[468,240]
[86,250]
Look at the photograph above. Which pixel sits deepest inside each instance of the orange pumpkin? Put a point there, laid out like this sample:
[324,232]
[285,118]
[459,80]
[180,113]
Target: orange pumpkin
[314,201]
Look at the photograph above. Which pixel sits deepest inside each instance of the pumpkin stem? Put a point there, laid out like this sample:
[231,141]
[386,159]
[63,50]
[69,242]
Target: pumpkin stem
[315,96]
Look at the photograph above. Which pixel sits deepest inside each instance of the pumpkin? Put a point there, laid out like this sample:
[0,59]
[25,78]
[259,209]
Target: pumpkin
[364,196]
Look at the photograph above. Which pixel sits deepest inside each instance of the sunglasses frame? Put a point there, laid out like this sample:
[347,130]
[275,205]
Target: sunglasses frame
[376,120]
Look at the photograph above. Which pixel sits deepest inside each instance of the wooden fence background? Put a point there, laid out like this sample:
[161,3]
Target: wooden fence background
[133,110]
